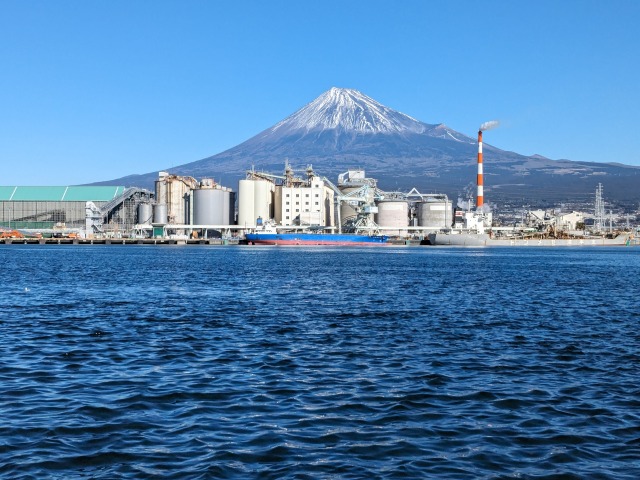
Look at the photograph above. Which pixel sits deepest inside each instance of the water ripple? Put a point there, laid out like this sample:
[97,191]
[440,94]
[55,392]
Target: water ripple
[319,363]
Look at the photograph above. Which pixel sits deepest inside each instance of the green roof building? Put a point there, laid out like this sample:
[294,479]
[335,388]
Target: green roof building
[25,207]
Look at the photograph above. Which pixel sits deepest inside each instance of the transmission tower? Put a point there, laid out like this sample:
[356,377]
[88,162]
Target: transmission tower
[599,222]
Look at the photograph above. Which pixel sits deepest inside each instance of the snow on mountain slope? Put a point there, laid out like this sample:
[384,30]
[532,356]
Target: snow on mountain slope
[350,111]
[344,128]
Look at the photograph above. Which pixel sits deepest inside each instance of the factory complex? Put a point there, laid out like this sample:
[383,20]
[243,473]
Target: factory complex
[182,207]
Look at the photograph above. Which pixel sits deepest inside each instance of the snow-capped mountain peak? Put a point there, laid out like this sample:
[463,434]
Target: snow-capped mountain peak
[349,110]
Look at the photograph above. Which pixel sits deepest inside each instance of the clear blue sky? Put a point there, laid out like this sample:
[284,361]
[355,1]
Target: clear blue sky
[94,90]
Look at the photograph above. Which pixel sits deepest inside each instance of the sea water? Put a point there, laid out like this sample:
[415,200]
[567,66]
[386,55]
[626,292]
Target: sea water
[309,362]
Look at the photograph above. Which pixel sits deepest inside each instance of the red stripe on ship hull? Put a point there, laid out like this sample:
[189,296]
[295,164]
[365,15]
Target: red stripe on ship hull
[312,242]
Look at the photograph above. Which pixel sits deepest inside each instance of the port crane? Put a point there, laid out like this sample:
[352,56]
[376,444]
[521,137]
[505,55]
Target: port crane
[360,201]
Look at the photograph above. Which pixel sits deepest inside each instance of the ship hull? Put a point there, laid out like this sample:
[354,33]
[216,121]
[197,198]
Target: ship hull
[314,239]
[484,240]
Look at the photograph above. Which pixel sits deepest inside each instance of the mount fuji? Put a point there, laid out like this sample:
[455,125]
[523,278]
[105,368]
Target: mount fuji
[344,129]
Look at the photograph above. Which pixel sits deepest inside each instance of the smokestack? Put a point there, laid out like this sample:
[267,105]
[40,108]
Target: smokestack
[480,201]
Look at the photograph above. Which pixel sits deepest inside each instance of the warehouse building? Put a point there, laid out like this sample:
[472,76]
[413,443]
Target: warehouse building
[51,208]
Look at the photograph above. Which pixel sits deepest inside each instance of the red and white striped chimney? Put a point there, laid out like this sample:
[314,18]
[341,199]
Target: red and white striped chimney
[480,200]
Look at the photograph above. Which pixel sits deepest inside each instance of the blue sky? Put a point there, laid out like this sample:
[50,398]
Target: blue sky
[94,90]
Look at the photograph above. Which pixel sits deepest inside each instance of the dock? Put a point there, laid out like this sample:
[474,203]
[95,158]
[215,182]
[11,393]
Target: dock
[116,241]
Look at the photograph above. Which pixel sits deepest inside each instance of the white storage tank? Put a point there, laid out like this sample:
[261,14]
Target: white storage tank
[246,203]
[435,214]
[393,214]
[255,200]
[263,199]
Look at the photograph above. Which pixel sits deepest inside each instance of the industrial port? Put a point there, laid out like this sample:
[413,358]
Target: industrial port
[183,210]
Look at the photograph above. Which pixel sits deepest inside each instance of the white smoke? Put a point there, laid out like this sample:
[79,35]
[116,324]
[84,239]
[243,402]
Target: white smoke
[469,204]
[489,125]
[464,204]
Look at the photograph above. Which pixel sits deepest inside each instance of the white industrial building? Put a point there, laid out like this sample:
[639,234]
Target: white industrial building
[309,203]
[286,200]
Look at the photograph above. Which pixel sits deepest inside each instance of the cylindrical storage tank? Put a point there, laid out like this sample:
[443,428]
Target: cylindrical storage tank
[219,212]
[232,207]
[161,190]
[145,214]
[208,206]
[346,210]
[246,203]
[434,214]
[160,214]
[262,200]
[225,207]
[393,213]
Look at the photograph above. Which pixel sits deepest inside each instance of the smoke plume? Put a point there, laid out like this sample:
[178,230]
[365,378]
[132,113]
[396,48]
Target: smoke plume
[489,125]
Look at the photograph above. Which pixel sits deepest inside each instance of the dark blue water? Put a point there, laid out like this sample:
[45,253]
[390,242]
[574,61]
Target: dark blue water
[276,362]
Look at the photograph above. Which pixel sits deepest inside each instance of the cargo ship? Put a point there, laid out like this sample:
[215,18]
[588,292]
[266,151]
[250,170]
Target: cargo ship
[267,235]
[474,239]
[342,239]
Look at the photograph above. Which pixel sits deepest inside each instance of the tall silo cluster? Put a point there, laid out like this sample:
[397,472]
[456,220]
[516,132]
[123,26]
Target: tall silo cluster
[185,201]
[429,211]
[173,191]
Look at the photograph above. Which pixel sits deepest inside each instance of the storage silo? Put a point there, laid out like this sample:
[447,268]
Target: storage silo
[160,214]
[393,214]
[228,208]
[145,214]
[208,206]
[246,203]
[225,206]
[347,211]
[262,199]
[256,200]
[435,214]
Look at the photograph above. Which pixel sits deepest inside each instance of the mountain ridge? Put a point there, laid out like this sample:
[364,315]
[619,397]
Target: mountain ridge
[344,128]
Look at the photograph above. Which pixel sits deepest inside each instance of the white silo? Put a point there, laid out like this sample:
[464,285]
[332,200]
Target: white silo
[246,203]
[393,214]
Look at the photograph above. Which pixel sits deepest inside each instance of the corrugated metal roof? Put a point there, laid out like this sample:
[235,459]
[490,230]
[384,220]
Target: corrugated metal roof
[57,194]
[6,192]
